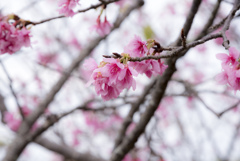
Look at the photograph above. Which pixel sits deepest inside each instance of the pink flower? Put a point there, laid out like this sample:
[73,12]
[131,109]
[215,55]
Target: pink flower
[93,121]
[102,28]
[102,88]
[140,67]
[158,67]
[114,75]
[234,79]
[126,79]
[232,58]
[149,67]
[222,78]
[90,65]
[26,110]
[75,43]
[12,39]
[47,58]
[136,48]
[111,77]
[66,7]
[11,121]
[112,70]
[230,65]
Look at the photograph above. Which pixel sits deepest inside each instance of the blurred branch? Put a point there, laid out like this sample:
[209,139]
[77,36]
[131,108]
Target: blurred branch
[228,109]
[79,11]
[66,151]
[209,133]
[135,107]
[190,91]
[210,20]
[201,100]
[226,25]
[61,72]
[11,89]
[3,108]
[232,142]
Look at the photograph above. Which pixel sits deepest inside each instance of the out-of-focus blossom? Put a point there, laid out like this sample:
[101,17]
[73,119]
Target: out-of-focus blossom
[45,59]
[121,3]
[12,122]
[67,6]
[13,39]
[102,28]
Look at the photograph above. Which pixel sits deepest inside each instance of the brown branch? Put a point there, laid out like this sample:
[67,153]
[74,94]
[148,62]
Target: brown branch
[216,26]
[11,89]
[66,151]
[209,133]
[3,107]
[201,100]
[183,37]
[127,121]
[79,11]
[228,109]
[176,52]
[226,25]
[210,20]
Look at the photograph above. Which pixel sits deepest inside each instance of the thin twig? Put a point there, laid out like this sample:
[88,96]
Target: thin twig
[229,108]
[79,11]
[226,25]
[11,89]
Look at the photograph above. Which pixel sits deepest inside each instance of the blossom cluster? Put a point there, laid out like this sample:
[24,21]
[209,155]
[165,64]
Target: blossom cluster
[114,75]
[67,6]
[230,69]
[12,38]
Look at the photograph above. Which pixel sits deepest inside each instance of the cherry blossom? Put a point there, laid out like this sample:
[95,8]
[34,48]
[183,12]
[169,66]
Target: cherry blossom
[137,47]
[113,75]
[110,77]
[12,122]
[13,39]
[66,7]
[112,70]
[102,28]
[230,69]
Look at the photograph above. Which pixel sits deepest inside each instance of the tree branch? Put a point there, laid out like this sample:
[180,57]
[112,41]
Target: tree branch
[66,151]
[79,11]
[11,89]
